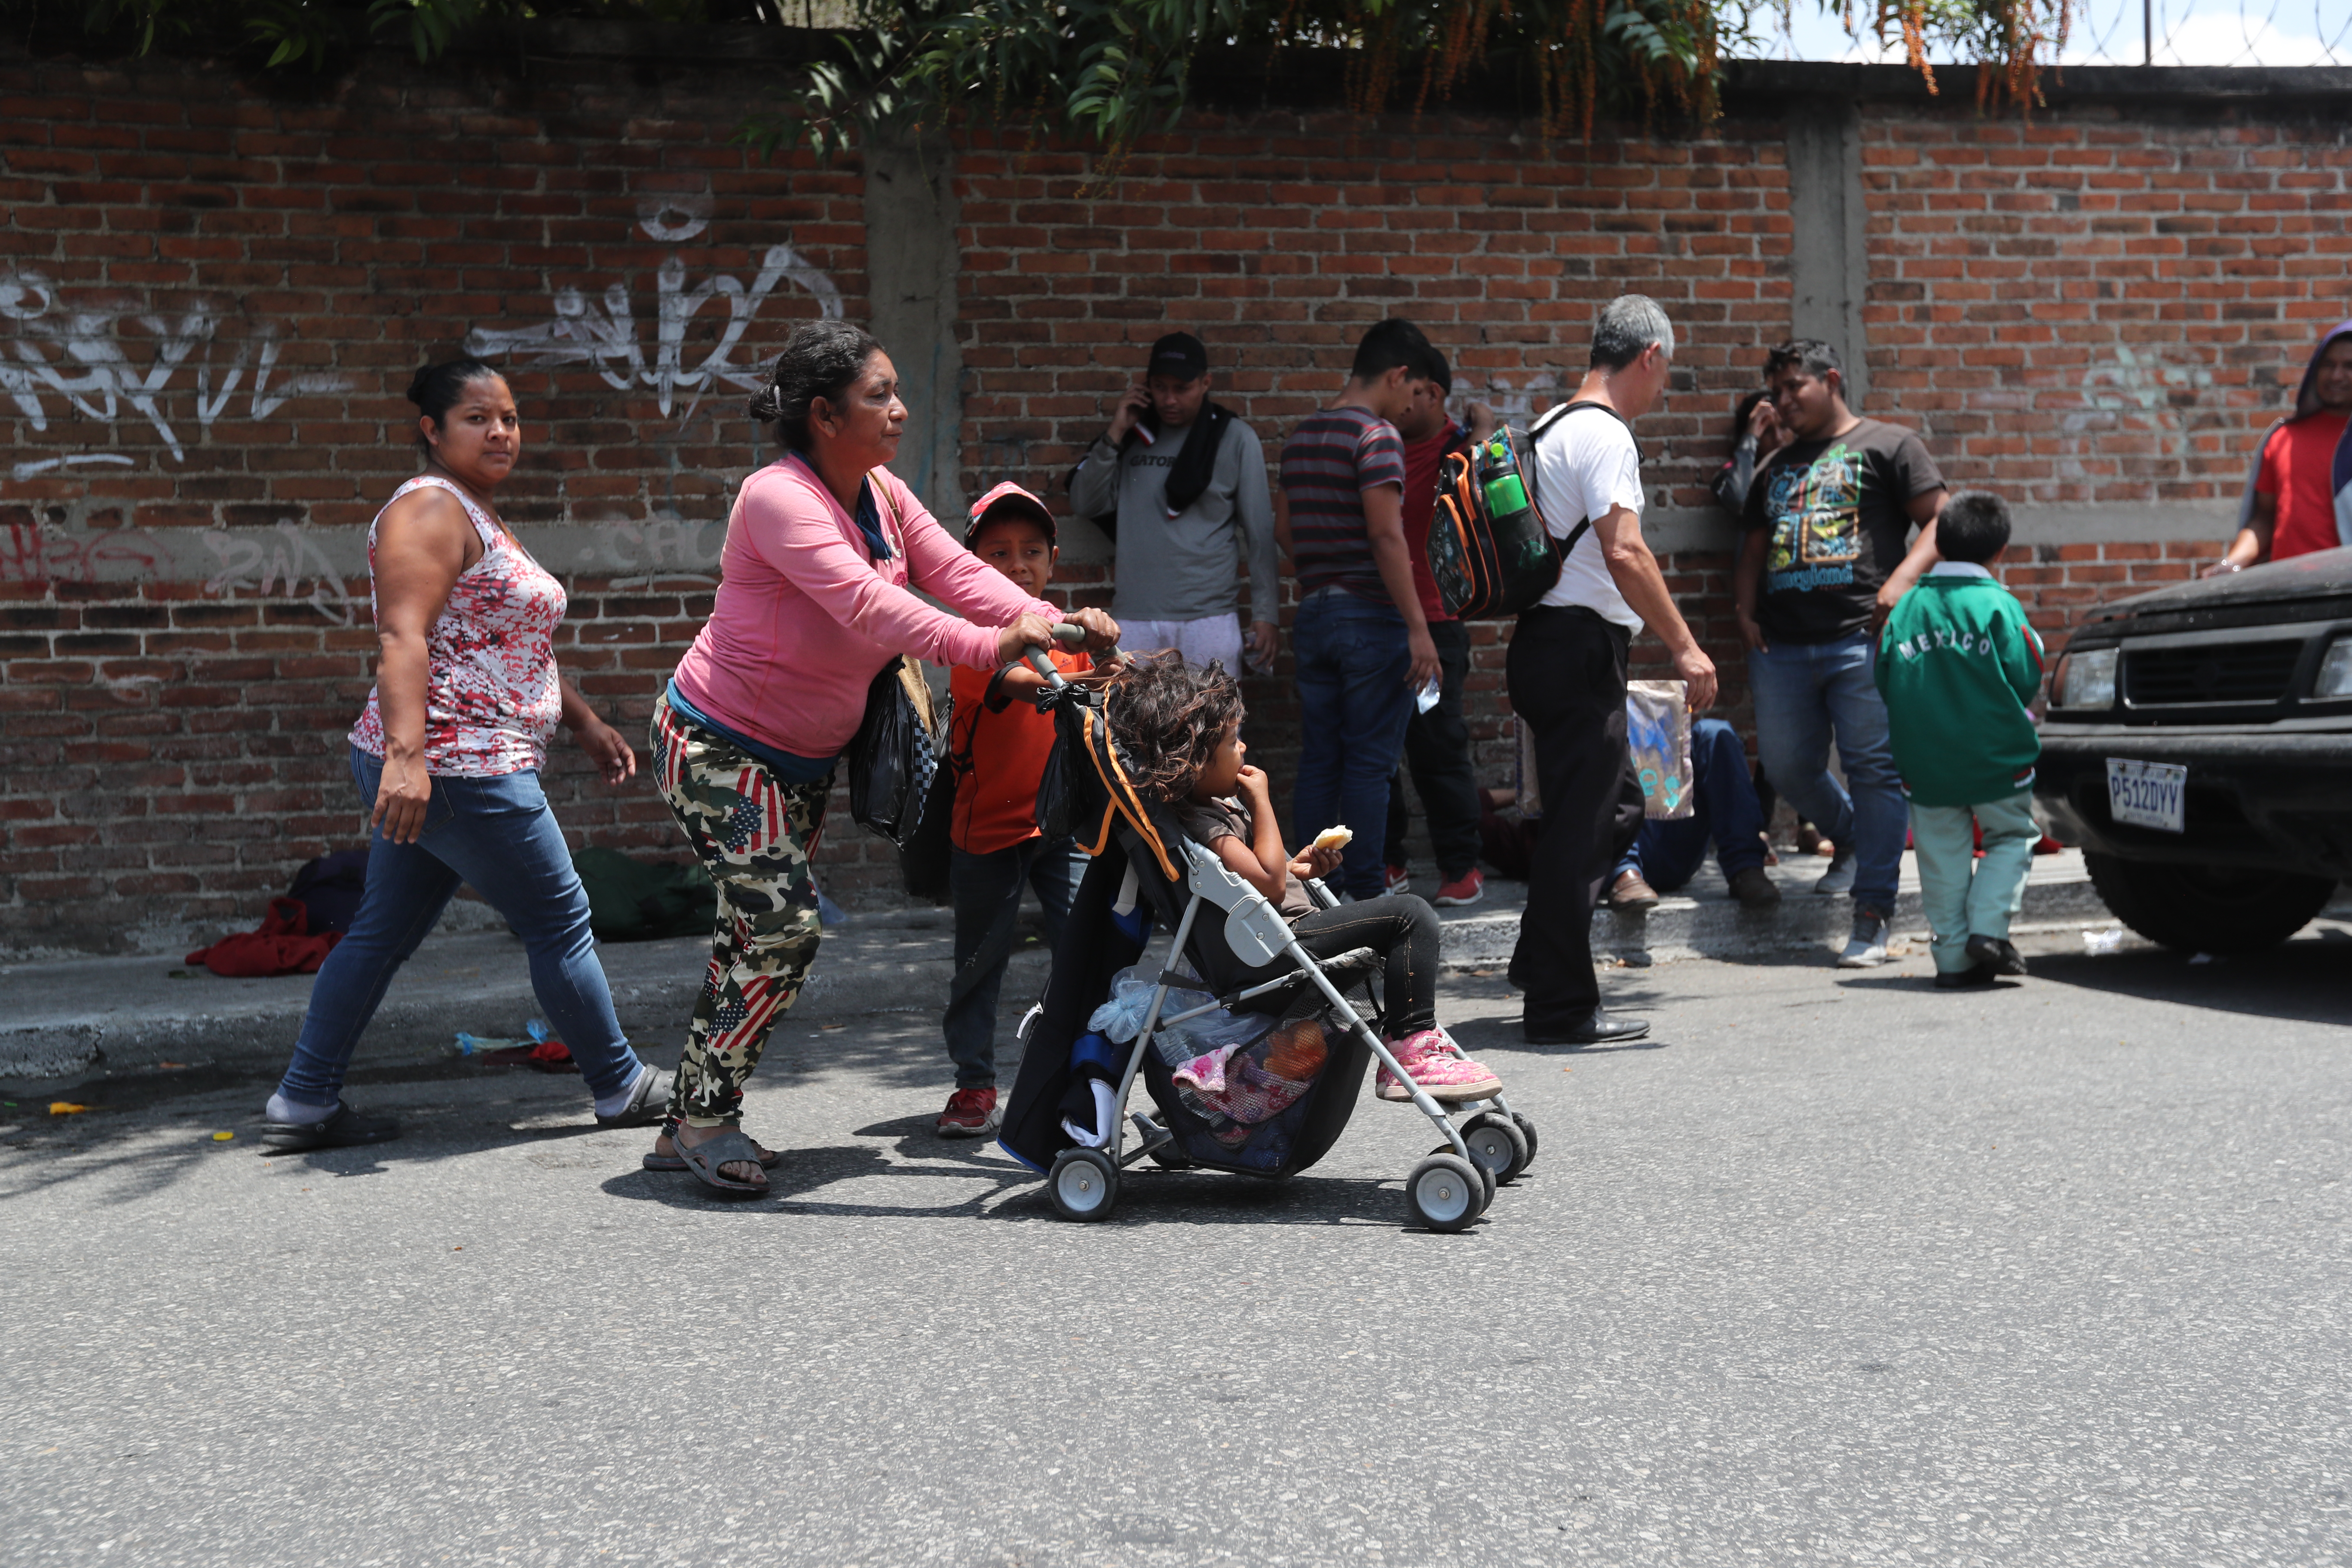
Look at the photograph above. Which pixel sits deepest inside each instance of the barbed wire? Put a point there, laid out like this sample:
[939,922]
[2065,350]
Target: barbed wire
[2112,32]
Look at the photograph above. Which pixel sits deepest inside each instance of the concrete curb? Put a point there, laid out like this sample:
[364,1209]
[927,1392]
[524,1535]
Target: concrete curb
[75,1017]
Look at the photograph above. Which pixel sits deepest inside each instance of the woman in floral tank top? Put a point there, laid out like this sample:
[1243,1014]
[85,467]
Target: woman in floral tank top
[447,756]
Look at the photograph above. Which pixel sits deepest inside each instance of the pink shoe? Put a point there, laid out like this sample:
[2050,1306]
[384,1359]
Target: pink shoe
[1437,1065]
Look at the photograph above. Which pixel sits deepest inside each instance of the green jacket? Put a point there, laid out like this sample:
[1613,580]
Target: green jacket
[1958,663]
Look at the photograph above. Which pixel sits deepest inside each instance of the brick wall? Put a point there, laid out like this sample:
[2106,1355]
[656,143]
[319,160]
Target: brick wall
[211,299]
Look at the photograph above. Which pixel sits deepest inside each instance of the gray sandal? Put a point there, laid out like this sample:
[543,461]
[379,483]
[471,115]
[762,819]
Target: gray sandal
[705,1158]
[652,1162]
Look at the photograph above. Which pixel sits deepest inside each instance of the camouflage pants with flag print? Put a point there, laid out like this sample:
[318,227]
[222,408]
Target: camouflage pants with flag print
[756,834]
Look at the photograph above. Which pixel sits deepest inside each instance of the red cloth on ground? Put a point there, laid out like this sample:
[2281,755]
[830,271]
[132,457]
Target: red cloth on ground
[282,946]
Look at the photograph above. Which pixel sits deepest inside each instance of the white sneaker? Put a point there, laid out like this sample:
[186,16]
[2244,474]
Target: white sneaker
[1866,948]
[1839,877]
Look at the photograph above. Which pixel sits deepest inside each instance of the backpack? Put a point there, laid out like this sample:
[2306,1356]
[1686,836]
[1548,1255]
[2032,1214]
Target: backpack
[1490,552]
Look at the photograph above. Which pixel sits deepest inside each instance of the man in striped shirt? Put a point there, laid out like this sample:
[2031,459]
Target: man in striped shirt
[1361,642]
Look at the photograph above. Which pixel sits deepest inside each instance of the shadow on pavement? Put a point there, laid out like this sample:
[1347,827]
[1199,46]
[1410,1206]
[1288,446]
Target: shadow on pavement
[2308,979]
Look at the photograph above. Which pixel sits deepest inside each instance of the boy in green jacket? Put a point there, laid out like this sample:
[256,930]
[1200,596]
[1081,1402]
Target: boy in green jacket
[1957,664]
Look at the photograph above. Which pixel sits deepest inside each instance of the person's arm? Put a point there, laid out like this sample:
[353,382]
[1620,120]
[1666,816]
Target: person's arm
[1254,510]
[1384,526]
[1094,488]
[2253,545]
[1747,583]
[421,548]
[1923,511]
[1262,862]
[1737,473]
[604,745]
[1638,577]
[2022,660]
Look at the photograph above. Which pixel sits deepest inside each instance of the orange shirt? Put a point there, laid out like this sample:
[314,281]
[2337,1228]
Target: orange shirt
[996,801]
[2297,466]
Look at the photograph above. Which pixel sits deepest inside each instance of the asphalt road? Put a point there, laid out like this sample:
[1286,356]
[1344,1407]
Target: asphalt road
[1832,1270]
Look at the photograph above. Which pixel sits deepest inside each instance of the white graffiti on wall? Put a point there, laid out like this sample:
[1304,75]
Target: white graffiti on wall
[83,354]
[291,565]
[605,335]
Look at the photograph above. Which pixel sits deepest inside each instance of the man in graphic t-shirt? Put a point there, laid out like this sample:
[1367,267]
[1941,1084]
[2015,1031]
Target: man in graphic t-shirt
[1360,640]
[2299,498]
[1437,741]
[1826,553]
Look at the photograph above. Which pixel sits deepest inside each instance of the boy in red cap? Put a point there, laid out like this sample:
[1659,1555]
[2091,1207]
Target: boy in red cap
[997,744]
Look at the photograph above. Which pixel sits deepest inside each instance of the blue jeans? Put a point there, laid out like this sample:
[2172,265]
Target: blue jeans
[1352,707]
[499,835]
[986,890]
[1723,808]
[1804,691]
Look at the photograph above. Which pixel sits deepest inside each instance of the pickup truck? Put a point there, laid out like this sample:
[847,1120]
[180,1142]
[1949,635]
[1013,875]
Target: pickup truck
[2197,747]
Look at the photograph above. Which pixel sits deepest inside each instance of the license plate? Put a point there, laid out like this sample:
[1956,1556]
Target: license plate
[2146,794]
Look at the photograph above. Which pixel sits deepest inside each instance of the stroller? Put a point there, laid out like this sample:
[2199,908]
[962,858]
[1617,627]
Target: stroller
[1292,1035]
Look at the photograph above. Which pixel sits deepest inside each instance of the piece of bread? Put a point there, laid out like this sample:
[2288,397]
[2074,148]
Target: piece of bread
[1335,838]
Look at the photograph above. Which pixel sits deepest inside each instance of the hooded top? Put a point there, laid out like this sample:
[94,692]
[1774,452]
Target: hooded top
[2306,403]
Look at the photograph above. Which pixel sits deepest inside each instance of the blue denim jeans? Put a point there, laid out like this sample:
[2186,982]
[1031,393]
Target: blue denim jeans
[1804,692]
[1723,808]
[1352,707]
[498,835]
[986,889]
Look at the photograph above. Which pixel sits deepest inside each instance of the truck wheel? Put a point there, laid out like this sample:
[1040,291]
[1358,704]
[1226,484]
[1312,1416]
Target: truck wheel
[2207,908]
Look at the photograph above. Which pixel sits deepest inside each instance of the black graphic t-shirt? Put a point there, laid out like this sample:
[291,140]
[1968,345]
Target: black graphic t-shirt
[1836,513]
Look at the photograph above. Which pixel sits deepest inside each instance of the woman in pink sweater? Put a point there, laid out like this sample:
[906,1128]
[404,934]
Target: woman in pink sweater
[825,551]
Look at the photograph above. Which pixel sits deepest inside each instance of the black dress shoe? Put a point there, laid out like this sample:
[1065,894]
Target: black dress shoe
[1596,1028]
[346,1128]
[1975,977]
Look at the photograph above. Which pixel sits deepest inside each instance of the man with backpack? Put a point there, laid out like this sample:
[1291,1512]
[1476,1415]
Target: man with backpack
[1179,486]
[1567,666]
[1437,738]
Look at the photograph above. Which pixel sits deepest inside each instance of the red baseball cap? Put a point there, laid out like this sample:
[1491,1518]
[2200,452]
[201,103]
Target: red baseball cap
[1009,500]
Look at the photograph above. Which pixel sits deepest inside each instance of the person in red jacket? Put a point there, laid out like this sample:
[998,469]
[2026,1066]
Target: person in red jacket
[2299,498]
[997,743]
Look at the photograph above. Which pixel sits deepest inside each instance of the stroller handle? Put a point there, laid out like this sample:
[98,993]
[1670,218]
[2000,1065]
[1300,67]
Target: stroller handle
[1066,631]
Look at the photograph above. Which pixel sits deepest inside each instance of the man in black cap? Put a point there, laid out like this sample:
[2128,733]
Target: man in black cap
[1179,486]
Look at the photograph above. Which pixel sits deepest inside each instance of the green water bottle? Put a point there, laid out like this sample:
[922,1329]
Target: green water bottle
[1507,493]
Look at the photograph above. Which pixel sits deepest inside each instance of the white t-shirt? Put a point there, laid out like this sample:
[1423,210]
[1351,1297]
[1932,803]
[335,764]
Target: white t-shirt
[1586,462]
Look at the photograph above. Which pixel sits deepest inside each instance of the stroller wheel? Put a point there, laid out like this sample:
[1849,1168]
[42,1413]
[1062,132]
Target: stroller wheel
[1486,1179]
[1084,1185]
[1528,1129]
[1497,1142]
[1445,1192]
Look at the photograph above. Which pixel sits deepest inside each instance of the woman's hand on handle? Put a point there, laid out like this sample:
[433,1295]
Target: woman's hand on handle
[1102,632]
[1028,632]
[401,798]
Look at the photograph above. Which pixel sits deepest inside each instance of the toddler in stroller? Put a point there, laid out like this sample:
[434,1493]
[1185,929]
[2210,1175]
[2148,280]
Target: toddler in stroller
[1181,728]
[1253,1039]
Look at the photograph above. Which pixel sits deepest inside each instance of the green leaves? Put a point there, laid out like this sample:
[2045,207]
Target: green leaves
[429,24]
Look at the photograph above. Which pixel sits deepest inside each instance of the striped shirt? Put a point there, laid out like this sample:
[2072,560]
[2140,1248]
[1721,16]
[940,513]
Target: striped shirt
[1328,463]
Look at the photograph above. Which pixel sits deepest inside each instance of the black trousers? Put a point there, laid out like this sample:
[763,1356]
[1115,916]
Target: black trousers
[1437,750]
[1566,673]
[1404,929]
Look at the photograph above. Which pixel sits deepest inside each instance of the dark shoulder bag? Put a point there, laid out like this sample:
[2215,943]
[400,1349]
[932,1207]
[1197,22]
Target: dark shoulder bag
[896,749]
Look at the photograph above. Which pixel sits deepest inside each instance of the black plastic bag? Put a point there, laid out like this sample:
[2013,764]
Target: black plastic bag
[923,860]
[896,753]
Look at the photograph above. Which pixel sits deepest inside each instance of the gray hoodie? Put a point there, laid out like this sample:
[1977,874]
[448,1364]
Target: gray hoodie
[1181,568]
